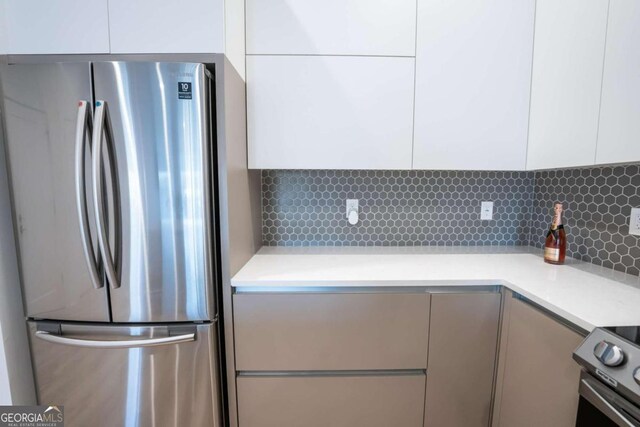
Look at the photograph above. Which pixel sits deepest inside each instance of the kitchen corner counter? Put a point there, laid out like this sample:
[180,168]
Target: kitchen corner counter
[583,294]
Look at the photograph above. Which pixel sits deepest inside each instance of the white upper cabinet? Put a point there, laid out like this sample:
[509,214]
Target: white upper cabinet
[166,26]
[3,28]
[619,130]
[56,27]
[329,112]
[122,26]
[473,78]
[567,75]
[331,27]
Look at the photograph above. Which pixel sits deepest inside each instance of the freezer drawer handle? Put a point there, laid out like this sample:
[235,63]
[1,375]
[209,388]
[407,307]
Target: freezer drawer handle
[103,126]
[151,342]
[83,124]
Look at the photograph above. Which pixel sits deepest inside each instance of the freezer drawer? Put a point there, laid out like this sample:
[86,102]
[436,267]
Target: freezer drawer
[355,400]
[128,376]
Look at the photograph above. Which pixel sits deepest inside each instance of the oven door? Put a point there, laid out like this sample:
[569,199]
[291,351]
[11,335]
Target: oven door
[600,406]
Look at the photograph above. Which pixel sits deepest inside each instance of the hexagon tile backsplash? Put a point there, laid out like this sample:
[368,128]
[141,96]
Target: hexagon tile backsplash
[397,208]
[442,208]
[598,204]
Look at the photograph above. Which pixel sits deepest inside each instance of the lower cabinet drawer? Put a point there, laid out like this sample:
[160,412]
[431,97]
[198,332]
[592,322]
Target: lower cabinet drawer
[331,332]
[341,400]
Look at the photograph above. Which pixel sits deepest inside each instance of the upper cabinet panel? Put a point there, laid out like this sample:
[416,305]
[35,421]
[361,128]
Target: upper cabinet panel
[619,131]
[329,112]
[567,76]
[473,78]
[3,28]
[166,26]
[331,27]
[56,27]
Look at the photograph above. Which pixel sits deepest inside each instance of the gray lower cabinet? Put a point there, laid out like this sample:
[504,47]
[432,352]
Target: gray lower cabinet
[335,401]
[359,359]
[331,331]
[344,359]
[538,379]
[463,341]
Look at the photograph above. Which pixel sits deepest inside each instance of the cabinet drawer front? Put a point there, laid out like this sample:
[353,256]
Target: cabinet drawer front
[339,401]
[306,332]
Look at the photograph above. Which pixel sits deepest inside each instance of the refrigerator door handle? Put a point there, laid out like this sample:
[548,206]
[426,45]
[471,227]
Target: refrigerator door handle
[88,343]
[103,125]
[83,123]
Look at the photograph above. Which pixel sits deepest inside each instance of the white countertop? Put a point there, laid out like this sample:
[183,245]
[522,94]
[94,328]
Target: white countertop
[585,295]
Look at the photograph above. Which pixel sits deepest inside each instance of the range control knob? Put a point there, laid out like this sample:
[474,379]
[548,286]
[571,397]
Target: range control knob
[636,375]
[609,354]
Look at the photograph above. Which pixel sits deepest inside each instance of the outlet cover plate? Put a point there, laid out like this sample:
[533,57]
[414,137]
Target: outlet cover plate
[486,211]
[634,222]
[352,205]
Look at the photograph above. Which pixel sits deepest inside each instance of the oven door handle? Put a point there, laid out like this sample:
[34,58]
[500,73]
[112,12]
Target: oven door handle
[603,405]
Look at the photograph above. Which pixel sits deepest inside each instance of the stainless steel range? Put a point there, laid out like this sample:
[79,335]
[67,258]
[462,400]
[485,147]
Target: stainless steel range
[610,382]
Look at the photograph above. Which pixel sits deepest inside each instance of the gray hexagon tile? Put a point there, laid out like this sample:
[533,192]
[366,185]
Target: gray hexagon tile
[397,208]
[598,203]
[438,208]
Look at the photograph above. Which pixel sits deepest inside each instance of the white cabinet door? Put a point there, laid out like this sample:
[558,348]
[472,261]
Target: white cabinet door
[166,26]
[473,78]
[619,131]
[56,27]
[3,28]
[329,112]
[331,27]
[567,77]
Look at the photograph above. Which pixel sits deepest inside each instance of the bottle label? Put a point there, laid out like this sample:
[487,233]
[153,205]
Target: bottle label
[552,254]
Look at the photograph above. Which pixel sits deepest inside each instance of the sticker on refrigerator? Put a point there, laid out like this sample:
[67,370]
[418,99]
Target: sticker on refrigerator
[184,90]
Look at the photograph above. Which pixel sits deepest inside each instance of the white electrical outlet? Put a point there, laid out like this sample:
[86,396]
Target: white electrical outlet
[634,222]
[352,211]
[352,204]
[486,211]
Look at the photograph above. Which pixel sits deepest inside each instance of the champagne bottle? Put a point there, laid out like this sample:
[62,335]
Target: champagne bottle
[555,246]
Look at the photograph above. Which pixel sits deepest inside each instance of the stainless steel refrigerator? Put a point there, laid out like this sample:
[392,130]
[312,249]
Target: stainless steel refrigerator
[112,168]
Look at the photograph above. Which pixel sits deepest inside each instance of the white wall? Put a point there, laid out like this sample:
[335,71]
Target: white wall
[16,376]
